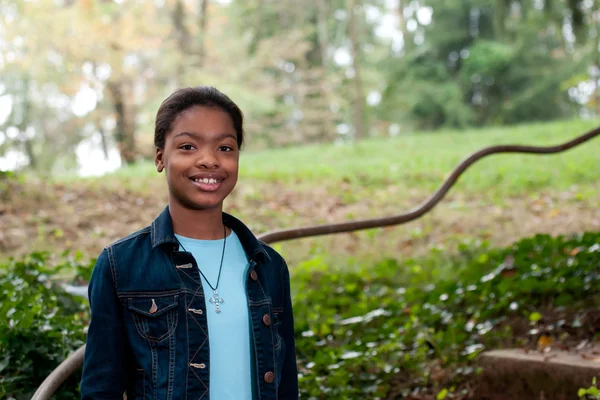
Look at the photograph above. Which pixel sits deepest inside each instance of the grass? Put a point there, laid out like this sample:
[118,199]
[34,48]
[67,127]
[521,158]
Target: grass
[422,160]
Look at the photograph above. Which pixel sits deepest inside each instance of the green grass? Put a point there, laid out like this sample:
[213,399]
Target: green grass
[423,160]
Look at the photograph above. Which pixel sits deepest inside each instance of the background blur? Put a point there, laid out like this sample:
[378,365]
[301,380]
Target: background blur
[80,81]
[354,109]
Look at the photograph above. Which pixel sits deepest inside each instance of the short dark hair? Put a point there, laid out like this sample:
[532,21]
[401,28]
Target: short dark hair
[182,99]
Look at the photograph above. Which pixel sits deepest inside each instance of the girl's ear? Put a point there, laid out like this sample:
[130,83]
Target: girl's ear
[158,159]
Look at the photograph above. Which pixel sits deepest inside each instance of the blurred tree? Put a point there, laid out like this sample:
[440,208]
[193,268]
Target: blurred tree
[488,62]
[291,42]
[359,95]
[81,70]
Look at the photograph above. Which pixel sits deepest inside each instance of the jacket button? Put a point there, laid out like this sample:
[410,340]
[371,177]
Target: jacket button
[267,319]
[253,275]
[269,377]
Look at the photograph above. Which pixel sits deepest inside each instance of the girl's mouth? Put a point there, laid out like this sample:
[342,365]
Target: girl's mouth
[207,184]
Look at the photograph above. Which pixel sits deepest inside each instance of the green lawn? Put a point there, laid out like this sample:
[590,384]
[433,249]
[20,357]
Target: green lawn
[422,160]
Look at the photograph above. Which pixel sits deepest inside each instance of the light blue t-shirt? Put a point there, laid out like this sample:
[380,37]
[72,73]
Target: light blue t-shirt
[229,330]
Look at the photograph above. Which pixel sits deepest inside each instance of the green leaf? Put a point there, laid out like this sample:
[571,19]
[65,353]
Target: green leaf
[535,316]
[442,394]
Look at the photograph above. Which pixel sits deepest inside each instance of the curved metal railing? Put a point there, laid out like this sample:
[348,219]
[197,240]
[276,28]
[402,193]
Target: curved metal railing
[75,360]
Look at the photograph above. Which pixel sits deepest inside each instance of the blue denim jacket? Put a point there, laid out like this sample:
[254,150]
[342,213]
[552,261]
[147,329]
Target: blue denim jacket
[148,332]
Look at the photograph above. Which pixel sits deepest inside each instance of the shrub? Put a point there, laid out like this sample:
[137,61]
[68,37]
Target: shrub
[40,324]
[390,330]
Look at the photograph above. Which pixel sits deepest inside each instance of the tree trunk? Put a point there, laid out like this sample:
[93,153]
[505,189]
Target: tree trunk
[22,125]
[202,20]
[597,54]
[525,8]
[284,14]
[359,113]
[182,38]
[500,13]
[103,138]
[322,30]
[125,116]
[30,153]
[407,43]
[258,17]
[577,19]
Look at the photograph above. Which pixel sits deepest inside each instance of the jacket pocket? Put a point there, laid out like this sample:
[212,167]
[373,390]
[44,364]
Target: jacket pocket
[155,318]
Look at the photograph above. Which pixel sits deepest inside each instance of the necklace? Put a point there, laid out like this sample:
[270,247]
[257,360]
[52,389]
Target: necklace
[216,300]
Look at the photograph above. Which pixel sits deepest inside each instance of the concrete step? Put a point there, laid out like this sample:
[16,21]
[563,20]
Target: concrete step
[515,374]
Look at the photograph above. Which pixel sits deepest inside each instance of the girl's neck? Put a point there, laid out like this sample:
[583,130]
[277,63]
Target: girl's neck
[197,224]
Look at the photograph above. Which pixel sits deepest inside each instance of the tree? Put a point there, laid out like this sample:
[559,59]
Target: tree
[489,64]
[118,41]
[359,96]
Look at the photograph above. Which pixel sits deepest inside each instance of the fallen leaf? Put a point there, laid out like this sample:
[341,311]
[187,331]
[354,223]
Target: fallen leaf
[544,341]
[581,345]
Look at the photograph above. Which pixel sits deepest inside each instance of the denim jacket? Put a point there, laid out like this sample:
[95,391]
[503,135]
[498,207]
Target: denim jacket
[148,332]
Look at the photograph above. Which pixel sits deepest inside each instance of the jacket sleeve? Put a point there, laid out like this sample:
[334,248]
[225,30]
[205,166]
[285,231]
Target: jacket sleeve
[104,372]
[288,386]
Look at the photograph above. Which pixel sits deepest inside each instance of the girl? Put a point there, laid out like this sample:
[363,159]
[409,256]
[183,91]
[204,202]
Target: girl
[192,306]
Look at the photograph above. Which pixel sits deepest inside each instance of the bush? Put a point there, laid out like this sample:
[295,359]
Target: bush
[363,331]
[389,330]
[40,324]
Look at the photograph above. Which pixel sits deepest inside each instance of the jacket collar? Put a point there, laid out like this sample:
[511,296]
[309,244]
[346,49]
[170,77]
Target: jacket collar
[162,234]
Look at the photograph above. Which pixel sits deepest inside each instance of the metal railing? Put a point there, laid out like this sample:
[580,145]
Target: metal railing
[75,360]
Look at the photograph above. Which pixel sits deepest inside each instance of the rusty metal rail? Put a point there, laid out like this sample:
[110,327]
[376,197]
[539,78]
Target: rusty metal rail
[75,360]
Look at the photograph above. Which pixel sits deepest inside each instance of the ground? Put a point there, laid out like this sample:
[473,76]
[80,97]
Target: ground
[500,199]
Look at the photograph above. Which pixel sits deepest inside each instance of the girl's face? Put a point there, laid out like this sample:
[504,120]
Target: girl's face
[200,157]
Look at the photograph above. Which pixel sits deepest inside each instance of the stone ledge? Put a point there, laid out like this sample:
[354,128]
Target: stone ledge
[514,374]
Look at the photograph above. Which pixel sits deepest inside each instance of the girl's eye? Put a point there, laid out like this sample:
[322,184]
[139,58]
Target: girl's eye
[225,148]
[187,147]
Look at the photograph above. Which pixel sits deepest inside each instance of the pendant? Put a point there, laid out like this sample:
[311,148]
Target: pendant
[217,301]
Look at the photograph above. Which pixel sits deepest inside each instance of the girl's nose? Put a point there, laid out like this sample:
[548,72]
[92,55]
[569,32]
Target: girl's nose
[207,159]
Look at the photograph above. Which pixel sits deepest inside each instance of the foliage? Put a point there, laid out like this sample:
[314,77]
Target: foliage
[386,330]
[504,62]
[84,74]
[363,331]
[592,393]
[40,325]
[8,182]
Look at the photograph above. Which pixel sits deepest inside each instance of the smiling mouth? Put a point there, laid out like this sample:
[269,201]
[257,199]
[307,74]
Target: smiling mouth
[207,184]
[210,181]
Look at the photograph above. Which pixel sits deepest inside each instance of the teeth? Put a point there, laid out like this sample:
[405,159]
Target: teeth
[209,181]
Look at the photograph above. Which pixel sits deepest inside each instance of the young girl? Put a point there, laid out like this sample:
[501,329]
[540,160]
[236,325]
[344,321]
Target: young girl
[193,306]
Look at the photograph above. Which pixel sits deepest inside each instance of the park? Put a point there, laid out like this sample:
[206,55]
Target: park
[435,196]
